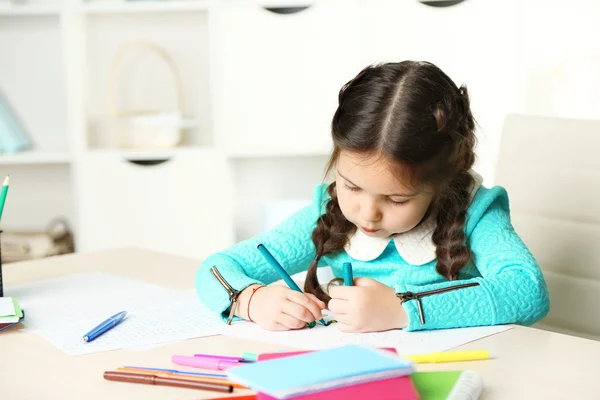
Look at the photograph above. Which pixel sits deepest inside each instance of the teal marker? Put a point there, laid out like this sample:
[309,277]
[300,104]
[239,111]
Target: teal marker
[284,275]
[247,356]
[347,270]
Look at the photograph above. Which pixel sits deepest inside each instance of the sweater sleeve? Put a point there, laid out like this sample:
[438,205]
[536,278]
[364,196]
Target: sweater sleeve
[511,288]
[242,265]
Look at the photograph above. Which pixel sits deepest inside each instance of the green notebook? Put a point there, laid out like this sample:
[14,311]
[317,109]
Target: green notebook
[442,385]
[18,313]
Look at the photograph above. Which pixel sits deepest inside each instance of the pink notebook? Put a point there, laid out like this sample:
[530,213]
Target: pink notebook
[400,388]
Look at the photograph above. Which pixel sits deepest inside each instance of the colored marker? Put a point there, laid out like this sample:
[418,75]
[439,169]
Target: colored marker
[132,377]
[3,194]
[249,356]
[279,269]
[183,376]
[224,358]
[347,270]
[450,356]
[204,363]
[174,371]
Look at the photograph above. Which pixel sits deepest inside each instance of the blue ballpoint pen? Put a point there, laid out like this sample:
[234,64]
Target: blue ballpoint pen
[284,275]
[105,326]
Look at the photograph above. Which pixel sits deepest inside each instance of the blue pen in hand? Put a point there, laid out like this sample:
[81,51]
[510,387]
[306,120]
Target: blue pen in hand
[104,327]
[284,275]
[347,270]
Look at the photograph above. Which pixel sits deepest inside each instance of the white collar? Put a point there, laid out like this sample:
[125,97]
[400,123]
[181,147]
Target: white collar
[415,246]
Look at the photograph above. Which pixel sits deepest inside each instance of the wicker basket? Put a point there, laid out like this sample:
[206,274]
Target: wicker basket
[145,129]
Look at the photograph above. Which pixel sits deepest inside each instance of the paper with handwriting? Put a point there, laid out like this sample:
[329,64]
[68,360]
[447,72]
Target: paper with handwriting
[63,309]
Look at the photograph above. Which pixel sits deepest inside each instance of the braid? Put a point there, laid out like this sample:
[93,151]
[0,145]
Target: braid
[451,204]
[329,236]
[452,251]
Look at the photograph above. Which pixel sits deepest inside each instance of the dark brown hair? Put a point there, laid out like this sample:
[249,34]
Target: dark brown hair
[412,114]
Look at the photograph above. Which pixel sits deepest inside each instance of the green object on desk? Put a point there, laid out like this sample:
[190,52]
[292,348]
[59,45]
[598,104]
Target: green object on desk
[438,385]
[3,194]
[18,312]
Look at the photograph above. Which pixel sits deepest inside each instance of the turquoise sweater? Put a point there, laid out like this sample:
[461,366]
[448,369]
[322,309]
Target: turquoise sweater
[511,288]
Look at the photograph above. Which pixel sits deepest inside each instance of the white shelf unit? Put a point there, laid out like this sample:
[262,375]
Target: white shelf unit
[36,158]
[158,6]
[10,9]
[262,85]
[33,79]
[260,82]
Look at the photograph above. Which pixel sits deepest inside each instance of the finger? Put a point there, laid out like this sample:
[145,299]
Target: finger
[306,302]
[316,300]
[277,327]
[338,307]
[365,282]
[345,327]
[297,311]
[290,322]
[341,292]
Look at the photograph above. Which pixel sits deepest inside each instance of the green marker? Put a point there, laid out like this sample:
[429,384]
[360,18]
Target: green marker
[3,194]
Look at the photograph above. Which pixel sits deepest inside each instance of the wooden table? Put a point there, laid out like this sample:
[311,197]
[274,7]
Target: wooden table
[527,364]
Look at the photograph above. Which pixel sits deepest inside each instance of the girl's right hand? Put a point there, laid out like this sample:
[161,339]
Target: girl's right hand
[278,308]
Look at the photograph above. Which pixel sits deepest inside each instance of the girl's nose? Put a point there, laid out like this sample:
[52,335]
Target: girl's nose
[370,211]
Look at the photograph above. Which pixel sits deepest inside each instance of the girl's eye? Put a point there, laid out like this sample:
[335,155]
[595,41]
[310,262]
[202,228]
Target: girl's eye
[397,203]
[351,188]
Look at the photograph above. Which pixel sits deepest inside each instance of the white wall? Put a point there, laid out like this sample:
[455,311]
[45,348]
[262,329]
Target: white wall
[261,181]
[561,57]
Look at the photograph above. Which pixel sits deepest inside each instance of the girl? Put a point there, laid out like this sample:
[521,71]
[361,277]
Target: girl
[431,247]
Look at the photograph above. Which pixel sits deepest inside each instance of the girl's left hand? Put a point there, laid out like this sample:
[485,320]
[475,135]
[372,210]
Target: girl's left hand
[368,306]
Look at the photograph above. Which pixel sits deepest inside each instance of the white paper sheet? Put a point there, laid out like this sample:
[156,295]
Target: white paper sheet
[62,310]
[70,299]
[7,308]
[323,337]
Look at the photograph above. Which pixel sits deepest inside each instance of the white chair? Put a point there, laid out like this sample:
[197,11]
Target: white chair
[551,169]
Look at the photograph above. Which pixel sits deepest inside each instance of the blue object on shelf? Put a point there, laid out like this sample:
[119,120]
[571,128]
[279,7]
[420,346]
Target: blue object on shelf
[13,137]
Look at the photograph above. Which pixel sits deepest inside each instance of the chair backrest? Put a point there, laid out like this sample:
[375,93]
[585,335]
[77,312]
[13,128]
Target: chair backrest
[551,169]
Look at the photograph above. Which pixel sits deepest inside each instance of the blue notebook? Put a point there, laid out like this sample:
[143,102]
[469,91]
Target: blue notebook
[321,370]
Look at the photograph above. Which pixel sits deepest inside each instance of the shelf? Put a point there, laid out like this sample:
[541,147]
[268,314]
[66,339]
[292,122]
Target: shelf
[150,154]
[29,10]
[35,157]
[144,6]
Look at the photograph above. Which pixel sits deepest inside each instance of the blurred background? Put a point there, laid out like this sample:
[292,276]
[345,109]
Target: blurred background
[184,126]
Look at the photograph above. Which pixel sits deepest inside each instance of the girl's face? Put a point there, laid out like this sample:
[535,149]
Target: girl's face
[374,199]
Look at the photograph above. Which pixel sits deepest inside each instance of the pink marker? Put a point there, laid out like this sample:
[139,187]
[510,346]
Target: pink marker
[223,358]
[205,363]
